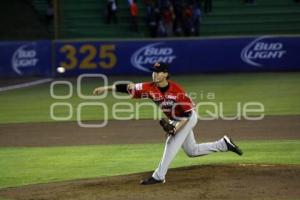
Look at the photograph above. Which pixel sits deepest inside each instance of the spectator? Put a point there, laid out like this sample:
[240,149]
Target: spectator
[161,29]
[111,11]
[149,9]
[134,16]
[196,19]
[168,17]
[178,21]
[187,20]
[153,17]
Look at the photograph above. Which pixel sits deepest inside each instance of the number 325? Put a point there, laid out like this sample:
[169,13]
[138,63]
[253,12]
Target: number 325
[106,54]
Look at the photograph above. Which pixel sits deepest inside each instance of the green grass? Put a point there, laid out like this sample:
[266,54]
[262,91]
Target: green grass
[2,198]
[22,166]
[279,93]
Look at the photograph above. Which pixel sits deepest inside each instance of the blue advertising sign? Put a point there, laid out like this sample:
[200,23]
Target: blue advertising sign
[249,54]
[266,53]
[25,58]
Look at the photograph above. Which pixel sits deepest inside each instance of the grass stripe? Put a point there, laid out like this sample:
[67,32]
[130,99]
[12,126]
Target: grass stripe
[278,92]
[22,166]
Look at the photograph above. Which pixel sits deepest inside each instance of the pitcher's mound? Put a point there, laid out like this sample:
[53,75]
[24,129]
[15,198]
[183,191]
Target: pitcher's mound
[198,182]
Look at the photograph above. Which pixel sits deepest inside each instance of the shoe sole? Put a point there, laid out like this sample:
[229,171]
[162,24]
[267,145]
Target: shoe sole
[234,146]
[162,182]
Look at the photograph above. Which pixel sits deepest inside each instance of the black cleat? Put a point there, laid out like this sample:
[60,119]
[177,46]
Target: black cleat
[151,181]
[231,146]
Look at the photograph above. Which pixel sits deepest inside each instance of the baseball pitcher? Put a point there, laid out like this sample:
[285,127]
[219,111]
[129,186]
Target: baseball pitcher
[180,121]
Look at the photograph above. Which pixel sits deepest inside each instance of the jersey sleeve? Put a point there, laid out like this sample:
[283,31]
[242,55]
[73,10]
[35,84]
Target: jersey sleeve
[139,90]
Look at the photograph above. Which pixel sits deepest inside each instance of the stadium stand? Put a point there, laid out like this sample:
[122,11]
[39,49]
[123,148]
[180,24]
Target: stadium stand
[233,17]
[85,19]
[20,21]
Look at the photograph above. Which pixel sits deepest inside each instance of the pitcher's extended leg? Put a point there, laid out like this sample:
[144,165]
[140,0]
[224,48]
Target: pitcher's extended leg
[172,146]
[193,149]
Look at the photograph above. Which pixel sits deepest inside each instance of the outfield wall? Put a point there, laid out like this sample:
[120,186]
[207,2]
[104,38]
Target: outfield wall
[22,58]
[132,57]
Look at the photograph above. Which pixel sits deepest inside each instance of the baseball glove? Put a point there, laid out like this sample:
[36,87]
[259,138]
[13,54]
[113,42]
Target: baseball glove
[167,126]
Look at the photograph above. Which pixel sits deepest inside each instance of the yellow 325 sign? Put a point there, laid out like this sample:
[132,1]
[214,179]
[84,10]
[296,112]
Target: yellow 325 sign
[85,57]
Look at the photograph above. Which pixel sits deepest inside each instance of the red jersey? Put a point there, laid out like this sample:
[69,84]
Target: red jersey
[133,10]
[174,102]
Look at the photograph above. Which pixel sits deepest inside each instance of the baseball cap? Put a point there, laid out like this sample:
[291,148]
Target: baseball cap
[160,67]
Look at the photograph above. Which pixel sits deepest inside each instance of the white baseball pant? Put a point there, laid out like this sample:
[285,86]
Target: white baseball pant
[185,138]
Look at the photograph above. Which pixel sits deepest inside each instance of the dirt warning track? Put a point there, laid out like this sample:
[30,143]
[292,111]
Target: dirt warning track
[143,131]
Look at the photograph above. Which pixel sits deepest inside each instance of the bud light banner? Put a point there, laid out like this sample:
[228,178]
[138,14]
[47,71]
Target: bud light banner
[249,54]
[25,58]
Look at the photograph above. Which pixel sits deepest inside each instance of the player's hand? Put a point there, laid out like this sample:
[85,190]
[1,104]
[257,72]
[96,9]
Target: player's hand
[98,91]
[130,86]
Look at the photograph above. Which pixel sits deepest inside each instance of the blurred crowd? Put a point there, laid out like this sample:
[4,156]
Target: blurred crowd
[167,18]
[111,13]
[164,18]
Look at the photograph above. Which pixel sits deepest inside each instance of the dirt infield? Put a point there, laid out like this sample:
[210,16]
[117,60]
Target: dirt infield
[200,182]
[270,182]
[143,131]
